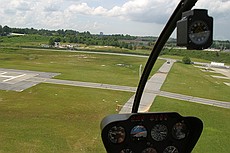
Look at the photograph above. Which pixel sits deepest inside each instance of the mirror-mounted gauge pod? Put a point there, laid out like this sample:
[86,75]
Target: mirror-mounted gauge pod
[195,29]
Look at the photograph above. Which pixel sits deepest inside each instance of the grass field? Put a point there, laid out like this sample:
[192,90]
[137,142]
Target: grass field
[53,118]
[215,136]
[116,50]
[221,56]
[26,40]
[189,80]
[181,57]
[117,70]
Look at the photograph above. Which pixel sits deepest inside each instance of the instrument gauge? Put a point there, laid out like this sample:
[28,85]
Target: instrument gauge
[126,151]
[139,132]
[171,149]
[149,150]
[180,131]
[116,134]
[199,32]
[159,132]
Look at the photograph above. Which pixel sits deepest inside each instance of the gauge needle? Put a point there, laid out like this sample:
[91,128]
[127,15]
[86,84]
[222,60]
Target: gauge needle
[174,150]
[163,132]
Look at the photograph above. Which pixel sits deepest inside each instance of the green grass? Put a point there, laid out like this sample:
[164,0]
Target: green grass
[109,69]
[117,50]
[54,118]
[181,57]
[223,57]
[215,136]
[26,40]
[188,80]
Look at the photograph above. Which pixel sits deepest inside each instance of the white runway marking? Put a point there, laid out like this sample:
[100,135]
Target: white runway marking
[12,77]
[1,73]
[19,80]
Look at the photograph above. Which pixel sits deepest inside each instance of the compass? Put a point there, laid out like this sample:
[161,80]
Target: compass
[195,30]
[199,32]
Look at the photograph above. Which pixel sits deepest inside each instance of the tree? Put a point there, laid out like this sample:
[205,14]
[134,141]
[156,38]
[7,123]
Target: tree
[1,30]
[51,42]
[130,47]
[58,39]
[6,30]
[186,60]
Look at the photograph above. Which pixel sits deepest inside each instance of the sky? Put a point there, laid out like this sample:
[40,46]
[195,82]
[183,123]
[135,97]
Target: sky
[133,17]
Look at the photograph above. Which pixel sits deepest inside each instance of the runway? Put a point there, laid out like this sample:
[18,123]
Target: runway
[18,80]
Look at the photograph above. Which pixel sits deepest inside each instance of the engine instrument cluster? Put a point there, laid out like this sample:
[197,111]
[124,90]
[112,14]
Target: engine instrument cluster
[150,133]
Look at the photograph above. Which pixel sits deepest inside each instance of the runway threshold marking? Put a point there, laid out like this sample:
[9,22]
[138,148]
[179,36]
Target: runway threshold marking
[1,73]
[11,77]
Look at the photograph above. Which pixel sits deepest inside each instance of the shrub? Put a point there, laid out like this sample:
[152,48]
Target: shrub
[186,60]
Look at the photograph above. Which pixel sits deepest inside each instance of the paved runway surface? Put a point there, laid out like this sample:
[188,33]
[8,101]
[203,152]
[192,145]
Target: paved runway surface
[18,80]
[153,85]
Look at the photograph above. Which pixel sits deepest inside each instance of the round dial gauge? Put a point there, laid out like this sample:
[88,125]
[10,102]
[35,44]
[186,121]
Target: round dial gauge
[171,149]
[116,134]
[159,132]
[126,151]
[149,150]
[199,32]
[139,132]
[179,131]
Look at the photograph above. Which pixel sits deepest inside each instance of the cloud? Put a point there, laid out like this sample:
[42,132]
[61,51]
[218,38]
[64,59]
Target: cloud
[158,11]
[84,9]
[20,5]
[9,11]
[80,14]
[217,8]
[144,10]
[135,10]
[52,8]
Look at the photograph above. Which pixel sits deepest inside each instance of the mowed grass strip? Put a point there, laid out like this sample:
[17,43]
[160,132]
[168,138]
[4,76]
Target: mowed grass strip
[181,57]
[189,80]
[55,118]
[108,69]
[215,136]
[26,40]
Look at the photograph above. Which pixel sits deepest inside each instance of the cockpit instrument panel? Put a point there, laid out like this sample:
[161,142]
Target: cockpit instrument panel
[150,133]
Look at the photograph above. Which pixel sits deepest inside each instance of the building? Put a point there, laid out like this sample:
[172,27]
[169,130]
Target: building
[215,64]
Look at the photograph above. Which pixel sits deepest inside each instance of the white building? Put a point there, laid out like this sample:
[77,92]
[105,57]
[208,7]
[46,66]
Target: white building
[215,64]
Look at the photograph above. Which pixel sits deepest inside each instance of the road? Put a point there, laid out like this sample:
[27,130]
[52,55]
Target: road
[84,84]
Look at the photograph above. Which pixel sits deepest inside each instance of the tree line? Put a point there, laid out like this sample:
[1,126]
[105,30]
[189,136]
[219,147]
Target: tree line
[72,36]
[89,39]
[117,40]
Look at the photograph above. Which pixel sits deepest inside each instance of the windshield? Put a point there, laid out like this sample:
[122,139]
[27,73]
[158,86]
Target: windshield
[65,65]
